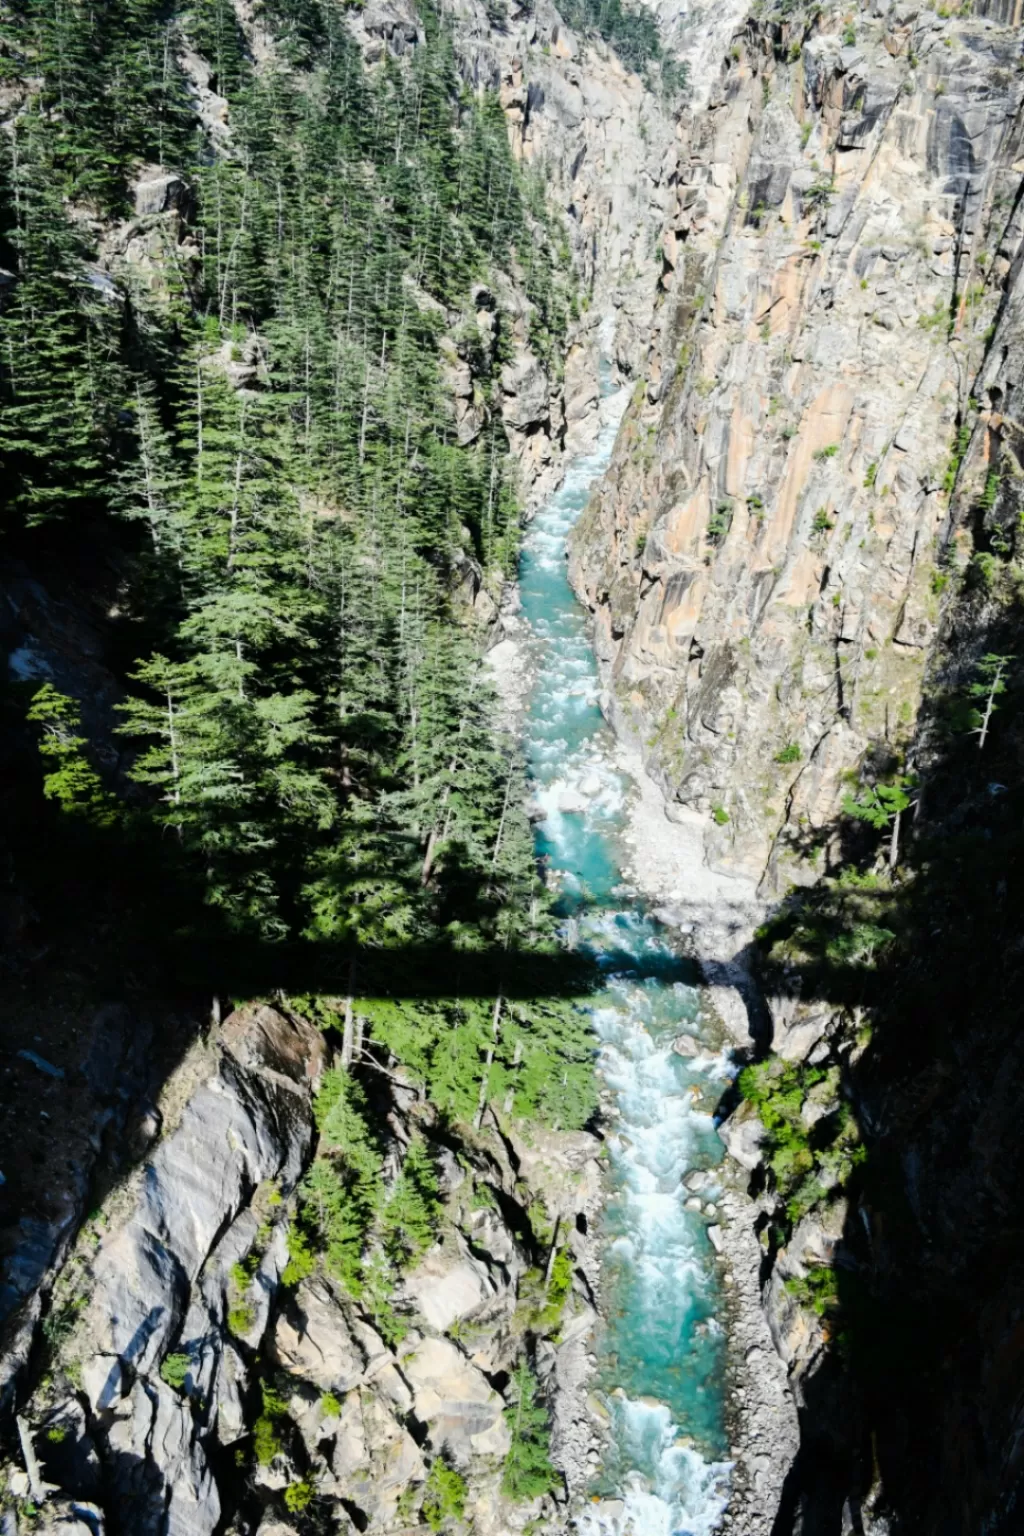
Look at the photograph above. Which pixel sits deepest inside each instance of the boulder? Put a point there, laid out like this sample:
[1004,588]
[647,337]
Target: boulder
[524,385]
[375,1458]
[68,1517]
[283,1049]
[743,1135]
[686,1045]
[160,192]
[462,1411]
[312,1340]
[445,1290]
[489,1233]
[795,1033]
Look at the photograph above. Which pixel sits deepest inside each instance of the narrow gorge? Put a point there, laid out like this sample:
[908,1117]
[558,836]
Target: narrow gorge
[512,618]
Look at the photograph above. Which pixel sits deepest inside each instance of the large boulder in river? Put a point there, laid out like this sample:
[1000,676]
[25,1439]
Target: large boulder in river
[462,1412]
[312,1340]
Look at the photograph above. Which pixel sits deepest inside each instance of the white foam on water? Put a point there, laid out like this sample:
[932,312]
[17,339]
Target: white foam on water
[678,1492]
[658,1282]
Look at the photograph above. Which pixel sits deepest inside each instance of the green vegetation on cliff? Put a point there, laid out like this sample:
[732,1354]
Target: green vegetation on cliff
[252,422]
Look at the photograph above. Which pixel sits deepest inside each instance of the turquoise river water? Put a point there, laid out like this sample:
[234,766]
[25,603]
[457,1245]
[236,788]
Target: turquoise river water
[660,1347]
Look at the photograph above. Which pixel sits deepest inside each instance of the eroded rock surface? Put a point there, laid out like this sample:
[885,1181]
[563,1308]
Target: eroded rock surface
[160,1281]
[761,561]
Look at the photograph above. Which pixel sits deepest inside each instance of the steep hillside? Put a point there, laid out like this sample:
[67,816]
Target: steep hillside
[298,319]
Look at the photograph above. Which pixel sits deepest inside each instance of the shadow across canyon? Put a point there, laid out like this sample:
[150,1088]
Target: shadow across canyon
[918,1387]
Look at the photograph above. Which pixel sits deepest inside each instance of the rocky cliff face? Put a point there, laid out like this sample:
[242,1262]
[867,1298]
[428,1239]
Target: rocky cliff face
[763,559]
[599,141]
[193,1383]
[804,571]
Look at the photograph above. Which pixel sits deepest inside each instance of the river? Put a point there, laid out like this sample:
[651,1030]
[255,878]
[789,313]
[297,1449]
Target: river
[660,1346]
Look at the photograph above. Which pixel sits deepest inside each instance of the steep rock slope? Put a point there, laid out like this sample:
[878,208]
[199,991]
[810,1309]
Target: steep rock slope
[805,574]
[598,137]
[201,1371]
[762,560]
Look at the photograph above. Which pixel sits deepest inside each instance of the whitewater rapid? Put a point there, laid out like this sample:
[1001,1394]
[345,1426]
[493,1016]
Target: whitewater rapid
[660,1346]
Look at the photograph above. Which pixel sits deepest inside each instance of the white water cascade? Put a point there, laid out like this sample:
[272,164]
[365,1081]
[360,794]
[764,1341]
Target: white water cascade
[660,1347]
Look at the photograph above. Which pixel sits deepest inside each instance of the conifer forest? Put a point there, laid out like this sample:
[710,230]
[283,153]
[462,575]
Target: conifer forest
[260,441]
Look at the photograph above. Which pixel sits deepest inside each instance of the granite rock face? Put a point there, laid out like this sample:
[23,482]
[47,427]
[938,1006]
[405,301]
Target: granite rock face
[761,561]
[161,1281]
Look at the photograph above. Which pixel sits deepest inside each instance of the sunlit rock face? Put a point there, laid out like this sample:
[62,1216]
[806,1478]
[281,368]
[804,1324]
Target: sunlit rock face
[762,559]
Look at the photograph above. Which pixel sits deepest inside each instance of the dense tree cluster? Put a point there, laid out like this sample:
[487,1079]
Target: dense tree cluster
[311,721]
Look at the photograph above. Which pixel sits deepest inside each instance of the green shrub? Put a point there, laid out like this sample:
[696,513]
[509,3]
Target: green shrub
[991,491]
[301,1259]
[329,1406]
[719,523]
[826,453]
[444,1497]
[528,1471]
[817,1289]
[983,571]
[559,1286]
[790,753]
[266,1442]
[960,443]
[174,1370]
[719,815]
[241,1318]
[298,1496]
[241,1275]
[859,945]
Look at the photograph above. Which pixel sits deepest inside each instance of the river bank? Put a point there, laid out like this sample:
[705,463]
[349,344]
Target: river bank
[713,915]
[709,915]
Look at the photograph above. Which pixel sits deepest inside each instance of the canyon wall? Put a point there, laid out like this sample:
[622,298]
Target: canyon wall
[765,561]
[804,570]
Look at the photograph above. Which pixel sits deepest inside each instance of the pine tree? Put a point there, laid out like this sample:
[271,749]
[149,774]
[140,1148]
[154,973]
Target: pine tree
[528,1471]
[342,1191]
[55,379]
[70,779]
[410,1217]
